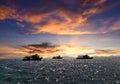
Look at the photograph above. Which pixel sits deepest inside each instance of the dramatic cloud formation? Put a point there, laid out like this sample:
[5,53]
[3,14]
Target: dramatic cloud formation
[71,24]
[55,17]
[47,49]
[69,17]
[64,17]
[42,49]
[69,10]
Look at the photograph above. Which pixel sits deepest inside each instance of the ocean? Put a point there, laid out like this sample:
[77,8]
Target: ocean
[100,70]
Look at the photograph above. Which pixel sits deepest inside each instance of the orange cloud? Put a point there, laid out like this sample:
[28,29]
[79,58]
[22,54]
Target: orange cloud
[7,13]
[69,26]
[47,49]
[107,52]
[54,27]
[73,19]
[59,19]
[75,50]
[34,18]
[7,51]
[100,2]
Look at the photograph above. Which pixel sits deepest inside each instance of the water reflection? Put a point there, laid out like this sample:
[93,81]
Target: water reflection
[66,71]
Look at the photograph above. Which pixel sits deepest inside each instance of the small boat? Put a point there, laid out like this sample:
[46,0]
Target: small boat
[84,57]
[57,57]
[32,58]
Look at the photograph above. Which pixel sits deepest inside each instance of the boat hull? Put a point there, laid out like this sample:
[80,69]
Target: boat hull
[32,59]
[85,58]
[57,58]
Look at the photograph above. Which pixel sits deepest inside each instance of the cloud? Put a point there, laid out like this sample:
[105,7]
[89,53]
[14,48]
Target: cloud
[8,51]
[20,24]
[107,52]
[42,49]
[62,17]
[48,49]
[65,9]
[7,13]
[115,26]
[103,26]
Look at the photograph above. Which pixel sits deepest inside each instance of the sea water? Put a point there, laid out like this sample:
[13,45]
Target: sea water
[104,70]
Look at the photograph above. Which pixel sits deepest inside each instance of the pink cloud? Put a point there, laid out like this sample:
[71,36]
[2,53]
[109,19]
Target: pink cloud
[7,13]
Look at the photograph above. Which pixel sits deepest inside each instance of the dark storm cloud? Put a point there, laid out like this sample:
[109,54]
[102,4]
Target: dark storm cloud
[51,49]
[43,45]
[42,48]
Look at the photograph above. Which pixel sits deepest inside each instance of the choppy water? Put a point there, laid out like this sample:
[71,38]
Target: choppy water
[65,71]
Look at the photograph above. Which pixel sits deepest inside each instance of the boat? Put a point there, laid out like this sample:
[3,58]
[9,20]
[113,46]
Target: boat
[32,58]
[57,57]
[84,57]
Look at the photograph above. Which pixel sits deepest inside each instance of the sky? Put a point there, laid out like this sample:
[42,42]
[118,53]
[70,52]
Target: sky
[59,27]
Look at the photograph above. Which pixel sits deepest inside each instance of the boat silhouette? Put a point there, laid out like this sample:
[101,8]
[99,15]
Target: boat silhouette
[84,57]
[32,58]
[57,57]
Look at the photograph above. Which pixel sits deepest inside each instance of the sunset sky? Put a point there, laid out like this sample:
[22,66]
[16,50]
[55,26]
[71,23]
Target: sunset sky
[59,27]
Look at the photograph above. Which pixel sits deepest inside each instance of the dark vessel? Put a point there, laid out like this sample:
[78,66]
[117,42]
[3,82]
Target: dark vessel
[57,57]
[84,57]
[32,58]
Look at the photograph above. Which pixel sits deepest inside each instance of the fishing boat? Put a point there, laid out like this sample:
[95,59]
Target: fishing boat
[84,57]
[32,58]
[57,57]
